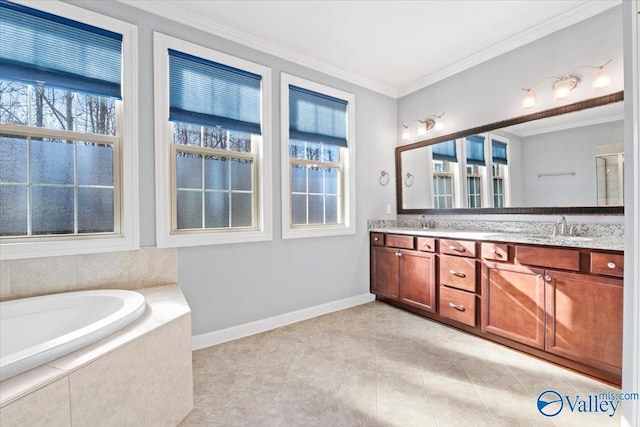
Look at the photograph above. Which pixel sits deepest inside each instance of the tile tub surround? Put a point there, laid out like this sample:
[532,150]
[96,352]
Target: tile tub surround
[600,236]
[377,365]
[148,266]
[141,375]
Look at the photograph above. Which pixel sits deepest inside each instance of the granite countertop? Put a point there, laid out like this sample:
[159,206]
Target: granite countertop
[588,236]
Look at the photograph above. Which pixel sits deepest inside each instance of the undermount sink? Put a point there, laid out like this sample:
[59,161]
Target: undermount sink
[558,238]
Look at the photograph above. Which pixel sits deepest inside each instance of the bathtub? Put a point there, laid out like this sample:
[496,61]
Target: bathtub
[38,330]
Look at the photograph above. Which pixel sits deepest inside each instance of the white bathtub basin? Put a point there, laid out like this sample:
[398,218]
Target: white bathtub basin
[34,331]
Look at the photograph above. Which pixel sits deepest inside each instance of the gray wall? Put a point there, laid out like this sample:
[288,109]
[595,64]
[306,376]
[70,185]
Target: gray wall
[228,285]
[491,91]
[570,150]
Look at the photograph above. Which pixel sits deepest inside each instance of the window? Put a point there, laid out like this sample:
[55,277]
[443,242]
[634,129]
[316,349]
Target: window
[474,187]
[442,184]
[498,186]
[66,159]
[444,156]
[318,147]
[212,161]
[500,171]
[475,165]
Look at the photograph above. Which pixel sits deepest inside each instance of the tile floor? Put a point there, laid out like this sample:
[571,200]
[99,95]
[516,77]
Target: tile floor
[376,365]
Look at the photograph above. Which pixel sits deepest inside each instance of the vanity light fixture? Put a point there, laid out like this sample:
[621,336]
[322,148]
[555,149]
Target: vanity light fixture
[563,86]
[405,132]
[439,127]
[529,98]
[601,78]
[427,124]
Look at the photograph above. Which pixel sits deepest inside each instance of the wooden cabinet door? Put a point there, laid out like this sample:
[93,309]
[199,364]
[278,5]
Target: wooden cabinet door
[584,319]
[385,272]
[418,279]
[513,303]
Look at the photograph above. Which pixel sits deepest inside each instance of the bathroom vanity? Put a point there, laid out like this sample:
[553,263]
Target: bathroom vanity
[557,298]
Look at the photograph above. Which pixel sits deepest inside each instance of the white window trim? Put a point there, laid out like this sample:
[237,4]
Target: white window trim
[506,177]
[349,167]
[164,236]
[129,237]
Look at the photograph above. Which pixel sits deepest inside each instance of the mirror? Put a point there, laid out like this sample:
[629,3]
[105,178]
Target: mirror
[565,160]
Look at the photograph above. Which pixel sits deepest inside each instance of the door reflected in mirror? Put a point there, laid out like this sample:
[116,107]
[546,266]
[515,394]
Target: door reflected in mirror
[610,174]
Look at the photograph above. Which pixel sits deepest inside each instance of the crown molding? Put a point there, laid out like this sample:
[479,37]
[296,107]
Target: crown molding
[182,14]
[580,13]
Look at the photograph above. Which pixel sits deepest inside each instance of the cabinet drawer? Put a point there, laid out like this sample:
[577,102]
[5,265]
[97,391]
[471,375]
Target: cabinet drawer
[609,264]
[458,305]
[377,239]
[458,247]
[426,244]
[495,251]
[399,241]
[458,272]
[565,259]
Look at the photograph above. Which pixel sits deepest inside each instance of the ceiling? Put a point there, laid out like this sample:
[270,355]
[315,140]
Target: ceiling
[392,47]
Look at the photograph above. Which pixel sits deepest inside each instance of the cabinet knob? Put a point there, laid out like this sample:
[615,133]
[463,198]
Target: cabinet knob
[457,273]
[611,264]
[375,239]
[457,307]
[496,253]
[456,248]
[547,278]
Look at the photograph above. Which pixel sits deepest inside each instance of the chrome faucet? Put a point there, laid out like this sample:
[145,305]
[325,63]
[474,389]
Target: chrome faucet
[561,228]
[561,225]
[424,224]
[421,221]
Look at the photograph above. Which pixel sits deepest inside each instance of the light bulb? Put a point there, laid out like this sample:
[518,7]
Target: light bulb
[563,87]
[405,132]
[601,79]
[422,128]
[529,99]
[439,126]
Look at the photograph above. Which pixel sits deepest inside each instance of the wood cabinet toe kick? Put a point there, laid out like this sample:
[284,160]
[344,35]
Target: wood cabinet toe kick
[560,304]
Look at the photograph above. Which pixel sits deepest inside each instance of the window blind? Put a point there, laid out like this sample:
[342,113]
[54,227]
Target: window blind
[41,48]
[211,94]
[499,152]
[314,117]
[445,151]
[475,150]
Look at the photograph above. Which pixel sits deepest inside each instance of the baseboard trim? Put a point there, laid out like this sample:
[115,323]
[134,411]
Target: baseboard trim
[251,328]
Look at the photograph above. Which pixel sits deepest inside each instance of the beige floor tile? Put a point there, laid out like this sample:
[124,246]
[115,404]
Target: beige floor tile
[374,365]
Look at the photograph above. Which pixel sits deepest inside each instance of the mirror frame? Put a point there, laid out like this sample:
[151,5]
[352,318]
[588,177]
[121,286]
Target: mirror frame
[565,210]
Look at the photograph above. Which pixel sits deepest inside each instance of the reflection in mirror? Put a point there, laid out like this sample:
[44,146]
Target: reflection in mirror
[416,163]
[610,174]
[565,160]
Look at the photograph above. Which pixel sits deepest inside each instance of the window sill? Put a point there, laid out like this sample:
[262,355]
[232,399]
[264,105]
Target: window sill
[79,246]
[317,231]
[199,238]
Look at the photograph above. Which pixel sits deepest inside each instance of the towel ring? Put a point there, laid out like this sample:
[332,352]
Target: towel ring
[384,178]
[408,180]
